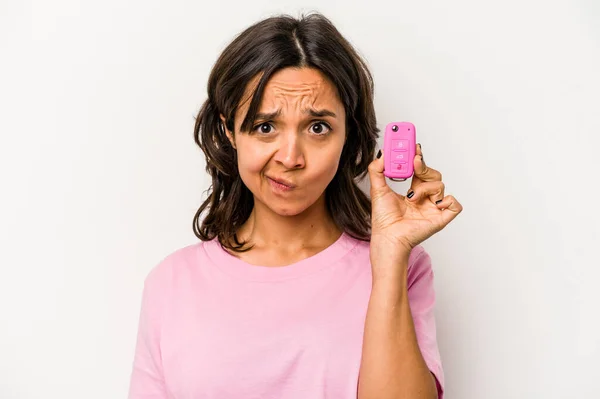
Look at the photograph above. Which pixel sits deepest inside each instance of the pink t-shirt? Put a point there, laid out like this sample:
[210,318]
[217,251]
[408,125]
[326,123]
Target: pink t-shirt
[215,327]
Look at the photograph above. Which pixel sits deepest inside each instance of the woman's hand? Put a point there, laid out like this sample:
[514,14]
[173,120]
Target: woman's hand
[399,223]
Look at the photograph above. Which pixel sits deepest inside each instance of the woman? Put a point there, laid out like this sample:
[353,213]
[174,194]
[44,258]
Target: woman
[301,285]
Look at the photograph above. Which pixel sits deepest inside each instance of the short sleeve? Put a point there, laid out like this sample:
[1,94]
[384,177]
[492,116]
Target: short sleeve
[421,296]
[147,380]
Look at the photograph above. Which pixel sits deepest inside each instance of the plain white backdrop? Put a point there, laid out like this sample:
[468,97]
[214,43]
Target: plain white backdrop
[100,177]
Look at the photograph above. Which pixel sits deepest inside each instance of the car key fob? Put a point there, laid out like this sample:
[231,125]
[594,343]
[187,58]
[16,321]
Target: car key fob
[399,146]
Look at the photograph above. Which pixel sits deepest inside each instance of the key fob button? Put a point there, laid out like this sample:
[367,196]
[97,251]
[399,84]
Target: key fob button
[400,157]
[399,145]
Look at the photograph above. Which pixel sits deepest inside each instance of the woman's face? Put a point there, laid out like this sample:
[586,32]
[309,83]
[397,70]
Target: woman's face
[297,139]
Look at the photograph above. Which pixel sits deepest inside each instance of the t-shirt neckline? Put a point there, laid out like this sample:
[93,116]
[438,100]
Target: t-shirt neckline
[244,270]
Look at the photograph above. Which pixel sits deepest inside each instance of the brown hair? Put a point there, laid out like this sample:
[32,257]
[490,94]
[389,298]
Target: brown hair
[264,48]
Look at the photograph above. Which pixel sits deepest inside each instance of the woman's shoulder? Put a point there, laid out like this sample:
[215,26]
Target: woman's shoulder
[177,262]
[418,255]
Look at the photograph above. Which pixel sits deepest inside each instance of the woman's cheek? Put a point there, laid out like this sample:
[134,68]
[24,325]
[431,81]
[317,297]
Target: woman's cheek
[251,159]
[329,166]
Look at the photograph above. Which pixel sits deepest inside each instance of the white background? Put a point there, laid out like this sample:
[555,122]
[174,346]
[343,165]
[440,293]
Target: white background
[100,177]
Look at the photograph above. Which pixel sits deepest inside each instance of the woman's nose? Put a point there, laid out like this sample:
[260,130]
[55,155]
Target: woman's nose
[289,152]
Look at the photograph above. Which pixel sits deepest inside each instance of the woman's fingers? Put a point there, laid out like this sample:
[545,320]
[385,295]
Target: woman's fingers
[450,208]
[423,173]
[433,190]
[376,174]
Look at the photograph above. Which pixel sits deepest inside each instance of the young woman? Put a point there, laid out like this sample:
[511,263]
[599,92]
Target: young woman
[301,286]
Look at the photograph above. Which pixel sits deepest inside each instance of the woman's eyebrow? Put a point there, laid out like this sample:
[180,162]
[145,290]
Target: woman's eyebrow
[317,113]
[267,115]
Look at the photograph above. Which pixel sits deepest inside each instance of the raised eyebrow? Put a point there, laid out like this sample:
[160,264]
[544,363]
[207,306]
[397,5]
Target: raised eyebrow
[267,115]
[316,113]
[319,113]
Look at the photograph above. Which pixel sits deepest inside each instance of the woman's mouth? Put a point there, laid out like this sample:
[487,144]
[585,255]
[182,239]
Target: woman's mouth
[280,185]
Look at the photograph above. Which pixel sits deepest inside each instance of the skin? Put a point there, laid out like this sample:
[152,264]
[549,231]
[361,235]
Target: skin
[303,149]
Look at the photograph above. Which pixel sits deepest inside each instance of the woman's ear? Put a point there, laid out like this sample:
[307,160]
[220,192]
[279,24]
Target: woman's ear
[227,132]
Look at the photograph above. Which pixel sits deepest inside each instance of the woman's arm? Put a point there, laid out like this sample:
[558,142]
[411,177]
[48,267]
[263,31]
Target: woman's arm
[392,362]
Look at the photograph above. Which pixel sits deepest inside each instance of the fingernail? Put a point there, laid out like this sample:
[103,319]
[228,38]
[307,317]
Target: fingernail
[410,195]
[379,154]
[419,145]
[438,201]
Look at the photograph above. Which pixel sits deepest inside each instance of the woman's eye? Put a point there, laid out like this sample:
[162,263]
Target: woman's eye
[263,128]
[319,126]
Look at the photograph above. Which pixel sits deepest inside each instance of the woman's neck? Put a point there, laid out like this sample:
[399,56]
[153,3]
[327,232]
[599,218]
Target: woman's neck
[313,228]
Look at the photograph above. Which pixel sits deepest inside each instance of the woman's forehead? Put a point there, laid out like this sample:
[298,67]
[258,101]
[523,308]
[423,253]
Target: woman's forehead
[309,86]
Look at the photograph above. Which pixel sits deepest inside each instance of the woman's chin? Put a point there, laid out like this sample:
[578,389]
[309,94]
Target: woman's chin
[286,209]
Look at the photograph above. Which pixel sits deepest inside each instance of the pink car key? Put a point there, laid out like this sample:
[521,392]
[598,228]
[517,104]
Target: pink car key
[399,146]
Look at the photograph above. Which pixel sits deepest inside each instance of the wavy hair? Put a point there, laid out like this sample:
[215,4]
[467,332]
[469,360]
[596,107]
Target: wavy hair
[261,50]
